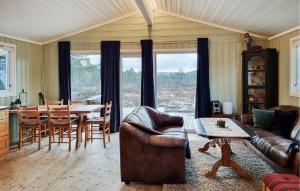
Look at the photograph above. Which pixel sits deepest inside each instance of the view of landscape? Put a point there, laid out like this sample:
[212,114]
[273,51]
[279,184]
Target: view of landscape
[3,70]
[175,81]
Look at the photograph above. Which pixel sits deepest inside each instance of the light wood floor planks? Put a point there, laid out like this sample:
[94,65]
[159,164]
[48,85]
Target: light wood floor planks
[93,168]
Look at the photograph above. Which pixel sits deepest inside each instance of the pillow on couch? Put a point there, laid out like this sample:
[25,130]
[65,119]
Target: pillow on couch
[284,121]
[263,118]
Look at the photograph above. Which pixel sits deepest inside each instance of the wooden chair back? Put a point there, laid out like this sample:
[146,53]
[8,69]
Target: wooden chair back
[59,115]
[51,102]
[29,115]
[76,102]
[107,111]
[89,102]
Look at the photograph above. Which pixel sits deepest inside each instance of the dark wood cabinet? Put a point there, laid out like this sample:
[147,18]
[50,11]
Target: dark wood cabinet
[260,78]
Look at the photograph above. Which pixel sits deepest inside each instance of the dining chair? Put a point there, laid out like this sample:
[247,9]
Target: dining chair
[30,125]
[52,102]
[76,102]
[102,125]
[59,118]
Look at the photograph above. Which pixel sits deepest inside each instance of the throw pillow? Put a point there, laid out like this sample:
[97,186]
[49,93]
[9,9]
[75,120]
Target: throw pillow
[263,118]
[284,121]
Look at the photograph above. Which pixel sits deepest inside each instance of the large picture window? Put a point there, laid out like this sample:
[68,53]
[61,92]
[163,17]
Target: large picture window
[7,70]
[176,82]
[295,67]
[85,77]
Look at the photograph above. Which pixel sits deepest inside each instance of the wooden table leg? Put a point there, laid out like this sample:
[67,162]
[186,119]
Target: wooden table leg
[206,147]
[227,162]
[78,131]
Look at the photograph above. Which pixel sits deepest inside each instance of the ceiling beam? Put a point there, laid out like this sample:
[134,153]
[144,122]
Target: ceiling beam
[146,8]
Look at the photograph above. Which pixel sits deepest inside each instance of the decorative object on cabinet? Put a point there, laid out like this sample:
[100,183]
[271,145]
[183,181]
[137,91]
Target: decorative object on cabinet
[260,78]
[227,108]
[216,107]
[23,97]
[247,41]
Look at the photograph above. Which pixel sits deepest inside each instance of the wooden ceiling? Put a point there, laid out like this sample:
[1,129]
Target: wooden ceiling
[43,21]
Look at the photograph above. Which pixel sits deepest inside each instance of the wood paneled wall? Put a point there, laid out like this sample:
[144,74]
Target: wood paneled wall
[282,44]
[28,70]
[168,33]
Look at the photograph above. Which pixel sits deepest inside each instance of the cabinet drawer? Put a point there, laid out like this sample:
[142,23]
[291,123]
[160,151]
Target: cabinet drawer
[3,127]
[4,146]
[3,114]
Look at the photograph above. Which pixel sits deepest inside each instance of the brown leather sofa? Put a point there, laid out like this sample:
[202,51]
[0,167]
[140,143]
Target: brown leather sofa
[273,145]
[153,147]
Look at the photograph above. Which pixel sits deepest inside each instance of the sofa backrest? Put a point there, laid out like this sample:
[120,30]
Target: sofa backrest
[140,117]
[295,134]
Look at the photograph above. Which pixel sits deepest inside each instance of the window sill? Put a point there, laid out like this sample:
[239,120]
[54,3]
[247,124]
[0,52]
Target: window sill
[7,93]
[295,94]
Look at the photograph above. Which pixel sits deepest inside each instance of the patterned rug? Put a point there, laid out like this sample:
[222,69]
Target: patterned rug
[226,179]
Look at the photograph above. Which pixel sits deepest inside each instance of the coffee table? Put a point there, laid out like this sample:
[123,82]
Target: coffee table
[221,138]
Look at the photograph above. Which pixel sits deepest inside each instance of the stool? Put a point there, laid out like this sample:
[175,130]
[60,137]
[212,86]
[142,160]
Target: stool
[278,182]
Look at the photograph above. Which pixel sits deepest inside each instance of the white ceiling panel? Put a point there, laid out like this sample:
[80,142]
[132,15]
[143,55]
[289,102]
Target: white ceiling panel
[42,20]
[263,17]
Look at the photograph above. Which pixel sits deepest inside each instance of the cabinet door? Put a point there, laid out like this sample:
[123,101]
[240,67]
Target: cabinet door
[4,145]
[254,81]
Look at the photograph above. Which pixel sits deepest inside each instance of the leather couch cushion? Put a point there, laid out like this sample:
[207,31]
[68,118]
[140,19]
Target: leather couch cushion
[263,118]
[278,153]
[274,147]
[141,117]
[284,121]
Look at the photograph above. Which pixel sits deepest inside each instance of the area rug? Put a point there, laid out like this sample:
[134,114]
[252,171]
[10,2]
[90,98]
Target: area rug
[226,179]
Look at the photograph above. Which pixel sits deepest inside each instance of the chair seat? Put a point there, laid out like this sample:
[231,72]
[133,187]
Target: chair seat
[73,121]
[43,122]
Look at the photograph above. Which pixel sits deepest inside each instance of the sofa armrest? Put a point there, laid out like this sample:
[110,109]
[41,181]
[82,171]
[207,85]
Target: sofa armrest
[168,141]
[247,119]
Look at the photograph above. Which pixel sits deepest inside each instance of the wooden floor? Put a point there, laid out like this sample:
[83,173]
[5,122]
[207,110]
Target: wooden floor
[93,168]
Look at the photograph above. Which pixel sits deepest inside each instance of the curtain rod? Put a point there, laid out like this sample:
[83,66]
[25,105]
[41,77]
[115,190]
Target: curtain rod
[154,42]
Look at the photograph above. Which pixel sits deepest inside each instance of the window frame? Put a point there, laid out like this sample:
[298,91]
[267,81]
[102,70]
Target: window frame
[167,51]
[295,41]
[11,73]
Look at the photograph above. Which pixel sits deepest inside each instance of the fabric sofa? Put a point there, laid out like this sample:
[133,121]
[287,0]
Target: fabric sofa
[273,145]
[153,147]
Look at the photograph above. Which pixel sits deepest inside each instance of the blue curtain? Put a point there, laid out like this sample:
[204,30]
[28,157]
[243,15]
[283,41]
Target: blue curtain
[64,61]
[203,105]
[148,83]
[110,80]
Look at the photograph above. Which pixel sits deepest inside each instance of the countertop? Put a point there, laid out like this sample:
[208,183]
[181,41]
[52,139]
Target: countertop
[4,107]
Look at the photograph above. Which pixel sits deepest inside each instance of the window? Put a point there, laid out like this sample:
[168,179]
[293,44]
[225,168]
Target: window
[176,82]
[7,70]
[85,77]
[295,67]
[131,83]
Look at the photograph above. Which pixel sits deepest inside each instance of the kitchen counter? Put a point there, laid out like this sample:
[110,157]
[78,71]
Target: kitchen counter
[4,107]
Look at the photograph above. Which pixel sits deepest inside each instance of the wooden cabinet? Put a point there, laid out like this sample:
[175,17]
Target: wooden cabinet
[4,132]
[260,79]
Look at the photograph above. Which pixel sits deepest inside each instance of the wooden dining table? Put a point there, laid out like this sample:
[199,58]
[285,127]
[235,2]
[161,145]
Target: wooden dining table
[80,110]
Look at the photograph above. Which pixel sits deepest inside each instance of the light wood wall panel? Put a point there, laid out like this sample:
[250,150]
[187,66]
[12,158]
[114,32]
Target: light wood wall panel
[28,70]
[167,32]
[282,44]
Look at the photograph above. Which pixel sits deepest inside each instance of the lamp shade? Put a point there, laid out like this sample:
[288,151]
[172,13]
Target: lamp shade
[227,108]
